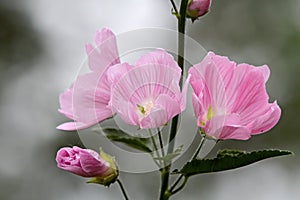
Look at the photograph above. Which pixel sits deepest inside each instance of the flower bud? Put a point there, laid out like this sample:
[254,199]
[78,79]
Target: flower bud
[197,8]
[88,163]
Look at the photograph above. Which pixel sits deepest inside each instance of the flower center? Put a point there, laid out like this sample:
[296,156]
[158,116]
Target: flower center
[146,107]
[207,116]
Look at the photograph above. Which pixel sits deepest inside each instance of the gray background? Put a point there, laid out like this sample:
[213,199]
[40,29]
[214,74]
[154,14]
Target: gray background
[42,47]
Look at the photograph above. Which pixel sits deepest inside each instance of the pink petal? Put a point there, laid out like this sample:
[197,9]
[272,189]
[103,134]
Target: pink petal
[235,132]
[90,99]
[67,159]
[266,121]
[141,84]
[265,71]
[102,35]
[66,103]
[202,6]
[250,90]
[129,114]
[225,67]
[106,52]
[115,73]
[91,163]
[184,92]
[227,127]
[171,106]
[196,105]
[89,48]
[156,118]
[211,75]
[162,58]
[72,126]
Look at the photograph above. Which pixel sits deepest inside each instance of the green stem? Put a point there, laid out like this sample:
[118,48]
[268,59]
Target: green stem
[174,6]
[154,142]
[161,142]
[122,189]
[199,148]
[194,157]
[155,148]
[181,32]
[181,186]
[176,182]
[161,146]
[165,173]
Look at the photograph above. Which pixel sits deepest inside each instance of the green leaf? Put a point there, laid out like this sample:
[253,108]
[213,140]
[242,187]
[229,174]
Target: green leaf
[118,135]
[169,157]
[228,159]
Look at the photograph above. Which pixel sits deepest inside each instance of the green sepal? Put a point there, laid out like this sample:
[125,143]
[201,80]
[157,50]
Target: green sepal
[112,173]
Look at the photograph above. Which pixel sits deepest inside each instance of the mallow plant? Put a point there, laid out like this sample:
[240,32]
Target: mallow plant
[230,102]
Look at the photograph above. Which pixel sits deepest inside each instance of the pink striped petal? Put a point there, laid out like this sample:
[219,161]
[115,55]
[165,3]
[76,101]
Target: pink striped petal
[72,126]
[251,90]
[156,118]
[91,163]
[227,127]
[105,54]
[184,92]
[115,73]
[231,102]
[143,86]
[171,106]
[208,72]
[66,103]
[266,121]
[160,57]
[89,100]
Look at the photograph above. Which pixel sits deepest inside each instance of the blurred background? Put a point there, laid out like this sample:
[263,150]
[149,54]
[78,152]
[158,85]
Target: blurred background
[42,47]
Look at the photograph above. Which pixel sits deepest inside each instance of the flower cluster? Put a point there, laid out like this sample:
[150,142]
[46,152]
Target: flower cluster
[230,101]
[146,94]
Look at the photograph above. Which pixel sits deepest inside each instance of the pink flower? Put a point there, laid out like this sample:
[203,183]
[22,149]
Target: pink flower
[198,8]
[148,94]
[87,163]
[86,101]
[230,101]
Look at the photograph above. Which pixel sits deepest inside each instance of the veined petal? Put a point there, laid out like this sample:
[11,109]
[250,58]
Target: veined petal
[251,90]
[230,101]
[171,106]
[209,73]
[227,127]
[72,126]
[196,105]
[156,118]
[86,102]
[143,83]
[66,103]
[266,121]
[184,92]
[225,67]
[265,71]
[105,54]
[90,99]
[139,89]
[128,113]
[160,57]
[115,73]
[91,163]
[235,133]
